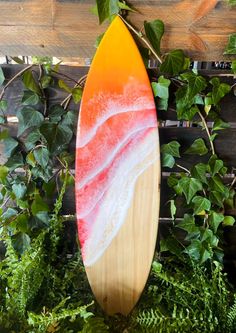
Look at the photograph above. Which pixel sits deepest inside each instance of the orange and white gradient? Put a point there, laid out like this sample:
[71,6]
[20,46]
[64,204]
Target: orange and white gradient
[116,140]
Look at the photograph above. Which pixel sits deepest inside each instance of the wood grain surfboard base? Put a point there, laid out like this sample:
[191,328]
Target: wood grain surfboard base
[119,276]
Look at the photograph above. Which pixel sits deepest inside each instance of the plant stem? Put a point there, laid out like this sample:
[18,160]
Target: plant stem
[12,79]
[67,100]
[208,133]
[183,168]
[42,90]
[140,35]
[64,75]
[60,161]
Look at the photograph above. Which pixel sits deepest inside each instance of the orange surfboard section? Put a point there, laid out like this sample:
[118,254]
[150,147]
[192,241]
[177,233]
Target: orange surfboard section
[117,172]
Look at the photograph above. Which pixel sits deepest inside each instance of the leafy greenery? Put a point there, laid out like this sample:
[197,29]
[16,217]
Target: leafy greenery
[188,290]
[231,47]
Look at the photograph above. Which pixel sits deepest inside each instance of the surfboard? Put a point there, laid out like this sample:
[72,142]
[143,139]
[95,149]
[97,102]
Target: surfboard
[117,182]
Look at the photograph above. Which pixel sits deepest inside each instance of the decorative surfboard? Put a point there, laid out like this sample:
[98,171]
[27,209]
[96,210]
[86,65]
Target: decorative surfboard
[117,172]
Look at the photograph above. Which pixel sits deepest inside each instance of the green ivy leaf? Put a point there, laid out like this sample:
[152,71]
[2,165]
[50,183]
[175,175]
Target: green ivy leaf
[4,134]
[216,198]
[64,86]
[9,213]
[15,161]
[216,184]
[189,187]
[45,81]
[201,204]
[228,221]
[30,83]
[215,165]
[57,136]
[171,245]
[219,90]
[32,139]
[198,171]
[168,160]
[233,66]
[55,113]
[187,95]
[172,209]
[3,105]
[30,98]
[196,84]
[39,205]
[215,219]
[172,180]
[187,114]
[171,148]
[2,77]
[197,148]
[10,145]
[28,118]
[188,224]
[20,242]
[19,189]
[41,156]
[69,119]
[161,90]
[220,125]
[77,94]
[173,62]
[154,31]
[30,159]
[3,173]
[106,8]
[123,6]
[231,47]
[194,249]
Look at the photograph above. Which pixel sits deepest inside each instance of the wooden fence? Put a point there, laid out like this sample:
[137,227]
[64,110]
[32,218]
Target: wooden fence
[68,28]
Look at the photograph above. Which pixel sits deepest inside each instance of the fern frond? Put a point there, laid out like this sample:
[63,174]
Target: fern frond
[231,316]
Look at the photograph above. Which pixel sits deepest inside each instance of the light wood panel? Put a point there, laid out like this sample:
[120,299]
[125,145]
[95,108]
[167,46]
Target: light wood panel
[68,28]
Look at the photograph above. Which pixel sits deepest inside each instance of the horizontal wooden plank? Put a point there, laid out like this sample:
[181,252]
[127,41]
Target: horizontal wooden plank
[68,28]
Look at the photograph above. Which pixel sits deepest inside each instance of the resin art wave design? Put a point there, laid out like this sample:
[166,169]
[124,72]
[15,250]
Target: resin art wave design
[112,152]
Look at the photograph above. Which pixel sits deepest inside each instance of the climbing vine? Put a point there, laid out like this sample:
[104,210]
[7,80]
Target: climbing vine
[187,289]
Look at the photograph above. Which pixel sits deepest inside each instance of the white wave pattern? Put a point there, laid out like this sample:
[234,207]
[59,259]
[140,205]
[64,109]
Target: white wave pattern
[104,192]
[135,97]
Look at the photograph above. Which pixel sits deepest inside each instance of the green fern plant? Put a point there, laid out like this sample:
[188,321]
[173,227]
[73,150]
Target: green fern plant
[186,298]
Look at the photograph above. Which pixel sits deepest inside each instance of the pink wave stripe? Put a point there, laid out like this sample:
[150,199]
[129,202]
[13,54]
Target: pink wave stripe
[100,226]
[108,140]
[135,97]
[97,186]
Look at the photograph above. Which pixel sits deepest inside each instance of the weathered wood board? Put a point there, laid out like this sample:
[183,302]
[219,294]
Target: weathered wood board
[67,28]
[117,172]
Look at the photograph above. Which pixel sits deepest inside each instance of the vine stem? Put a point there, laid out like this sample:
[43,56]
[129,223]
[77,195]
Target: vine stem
[208,133]
[67,100]
[183,168]
[42,90]
[60,161]
[140,35]
[64,75]
[12,79]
